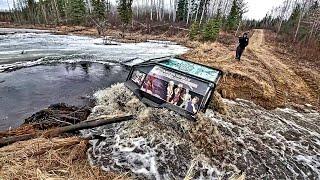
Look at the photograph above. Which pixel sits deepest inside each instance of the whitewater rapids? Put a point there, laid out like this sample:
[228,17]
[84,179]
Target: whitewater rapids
[159,144]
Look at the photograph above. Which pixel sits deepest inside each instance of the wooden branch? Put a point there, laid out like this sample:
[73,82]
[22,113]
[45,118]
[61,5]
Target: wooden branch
[69,117]
[13,139]
[184,29]
[160,25]
[60,121]
[58,131]
[141,24]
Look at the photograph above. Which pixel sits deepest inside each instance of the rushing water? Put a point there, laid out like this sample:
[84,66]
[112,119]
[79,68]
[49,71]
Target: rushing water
[38,69]
[159,144]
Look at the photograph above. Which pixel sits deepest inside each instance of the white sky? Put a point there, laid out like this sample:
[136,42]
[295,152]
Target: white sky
[257,8]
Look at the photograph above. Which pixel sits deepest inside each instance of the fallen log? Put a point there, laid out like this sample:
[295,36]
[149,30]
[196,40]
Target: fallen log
[9,140]
[87,125]
[184,29]
[76,30]
[67,129]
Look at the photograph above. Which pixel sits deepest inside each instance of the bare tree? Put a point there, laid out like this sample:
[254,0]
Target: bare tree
[283,13]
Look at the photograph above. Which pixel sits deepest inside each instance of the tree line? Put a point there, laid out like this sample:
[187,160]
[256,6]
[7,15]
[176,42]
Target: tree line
[297,24]
[295,20]
[205,18]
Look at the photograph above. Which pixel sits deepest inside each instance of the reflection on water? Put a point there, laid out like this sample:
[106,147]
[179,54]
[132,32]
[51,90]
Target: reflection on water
[26,91]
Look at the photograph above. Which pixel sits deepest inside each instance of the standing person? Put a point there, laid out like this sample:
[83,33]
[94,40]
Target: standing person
[243,43]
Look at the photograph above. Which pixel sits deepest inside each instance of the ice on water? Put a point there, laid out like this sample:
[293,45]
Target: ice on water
[29,48]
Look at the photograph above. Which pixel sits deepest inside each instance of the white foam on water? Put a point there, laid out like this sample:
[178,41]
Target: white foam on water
[152,150]
[312,161]
[274,144]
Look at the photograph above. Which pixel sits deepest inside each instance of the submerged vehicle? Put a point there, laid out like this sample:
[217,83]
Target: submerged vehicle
[174,83]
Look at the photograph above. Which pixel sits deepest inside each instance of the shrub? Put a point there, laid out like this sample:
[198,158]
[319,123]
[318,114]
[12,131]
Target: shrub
[194,30]
[211,30]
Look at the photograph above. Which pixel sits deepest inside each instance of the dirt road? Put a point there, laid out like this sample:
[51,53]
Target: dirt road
[263,75]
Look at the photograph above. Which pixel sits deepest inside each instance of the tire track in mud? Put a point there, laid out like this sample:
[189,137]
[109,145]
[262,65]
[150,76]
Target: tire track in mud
[308,75]
[288,83]
[262,76]
[310,81]
[256,49]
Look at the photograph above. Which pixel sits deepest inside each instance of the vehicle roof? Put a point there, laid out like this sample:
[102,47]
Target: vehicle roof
[188,67]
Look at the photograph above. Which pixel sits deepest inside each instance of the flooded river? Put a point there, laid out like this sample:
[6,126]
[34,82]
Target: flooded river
[250,141]
[38,69]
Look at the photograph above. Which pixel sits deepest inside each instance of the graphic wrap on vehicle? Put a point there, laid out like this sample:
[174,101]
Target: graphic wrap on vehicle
[192,68]
[181,91]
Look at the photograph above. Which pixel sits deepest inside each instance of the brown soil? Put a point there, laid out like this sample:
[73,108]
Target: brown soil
[263,75]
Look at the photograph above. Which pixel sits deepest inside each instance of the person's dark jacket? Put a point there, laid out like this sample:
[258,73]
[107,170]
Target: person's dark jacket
[243,42]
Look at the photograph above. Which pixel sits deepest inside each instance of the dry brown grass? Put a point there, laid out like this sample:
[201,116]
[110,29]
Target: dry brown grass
[57,158]
[261,76]
[129,37]
[205,136]
[22,130]
[266,75]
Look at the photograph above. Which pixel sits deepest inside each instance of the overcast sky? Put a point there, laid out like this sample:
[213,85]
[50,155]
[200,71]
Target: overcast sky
[257,8]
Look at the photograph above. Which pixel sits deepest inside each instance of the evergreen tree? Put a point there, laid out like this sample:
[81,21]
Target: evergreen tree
[288,26]
[31,8]
[233,18]
[99,10]
[182,10]
[193,8]
[125,12]
[77,11]
[99,15]
[61,8]
[194,30]
[202,9]
[211,30]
